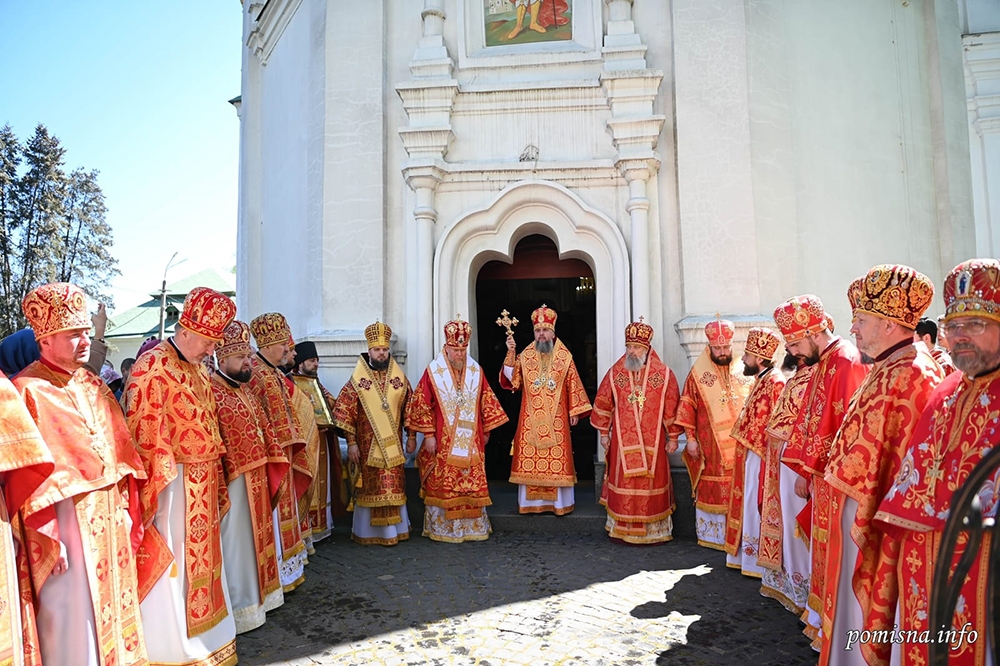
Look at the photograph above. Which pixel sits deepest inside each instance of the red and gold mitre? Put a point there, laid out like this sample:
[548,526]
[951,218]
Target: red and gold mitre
[762,342]
[544,317]
[855,291]
[831,325]
[457,333]
[639,333]
[800,317]
[235,340]
[378,335]
[720,332]
[207,312]
[55,307]
[270,328]
[972,289]
[894,292]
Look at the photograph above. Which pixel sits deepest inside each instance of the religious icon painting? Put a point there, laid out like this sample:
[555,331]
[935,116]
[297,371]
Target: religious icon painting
[509,22]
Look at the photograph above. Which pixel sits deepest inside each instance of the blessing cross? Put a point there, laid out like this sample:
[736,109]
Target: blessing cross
[507,322]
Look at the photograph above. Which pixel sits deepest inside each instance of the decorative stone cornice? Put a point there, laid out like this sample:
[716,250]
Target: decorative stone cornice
[623,48]
[340,349]
[270,22]
[691,331]
[426,142]
[428,103]
[982,80]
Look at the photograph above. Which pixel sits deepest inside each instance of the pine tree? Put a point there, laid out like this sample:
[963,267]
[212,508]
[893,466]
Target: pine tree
[52,225]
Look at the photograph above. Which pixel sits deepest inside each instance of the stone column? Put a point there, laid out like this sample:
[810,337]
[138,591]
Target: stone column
[631,88]
[428,98]
[982,80]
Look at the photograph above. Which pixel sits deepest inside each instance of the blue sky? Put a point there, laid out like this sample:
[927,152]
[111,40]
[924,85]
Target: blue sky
[138,91]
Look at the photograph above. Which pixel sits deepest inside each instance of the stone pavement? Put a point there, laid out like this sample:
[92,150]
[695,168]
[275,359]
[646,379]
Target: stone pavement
[522,598]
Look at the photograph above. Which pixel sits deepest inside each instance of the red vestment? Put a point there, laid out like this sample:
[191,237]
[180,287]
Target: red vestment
[172,417]
[957,428]
[25,463]
[552,393]
[99,469]
[273,391]
[863,461]
[750,435]
[836,377]
[786,412]
[252,450]
[461,491]
[637,410]
[943,358]
[711,401]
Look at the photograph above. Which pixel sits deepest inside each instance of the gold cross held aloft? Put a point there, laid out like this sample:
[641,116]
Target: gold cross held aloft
[507,322]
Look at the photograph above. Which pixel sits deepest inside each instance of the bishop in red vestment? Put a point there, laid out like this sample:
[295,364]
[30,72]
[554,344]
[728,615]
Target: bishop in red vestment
[455,408]
[634,411]
[958,427]
[711,401]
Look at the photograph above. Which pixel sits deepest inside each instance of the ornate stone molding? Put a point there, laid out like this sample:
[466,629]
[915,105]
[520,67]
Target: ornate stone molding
[691,331]
[623,48]
[340,349]
[270,23]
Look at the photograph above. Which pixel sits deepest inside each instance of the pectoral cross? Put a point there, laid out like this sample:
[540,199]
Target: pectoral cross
[636,396]
[507,322]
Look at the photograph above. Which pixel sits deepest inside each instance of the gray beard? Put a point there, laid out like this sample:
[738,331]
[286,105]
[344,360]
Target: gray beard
[545,347]
[634,363]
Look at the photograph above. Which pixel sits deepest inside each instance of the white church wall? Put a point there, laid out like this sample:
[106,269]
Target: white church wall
[284,122]
[856,159]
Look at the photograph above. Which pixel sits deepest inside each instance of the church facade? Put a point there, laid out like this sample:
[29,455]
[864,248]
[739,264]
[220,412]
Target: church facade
[414,160]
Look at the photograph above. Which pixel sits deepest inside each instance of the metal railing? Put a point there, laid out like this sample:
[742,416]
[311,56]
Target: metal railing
[967,516]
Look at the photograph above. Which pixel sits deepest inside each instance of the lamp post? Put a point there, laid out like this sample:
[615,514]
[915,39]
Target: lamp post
[163,294]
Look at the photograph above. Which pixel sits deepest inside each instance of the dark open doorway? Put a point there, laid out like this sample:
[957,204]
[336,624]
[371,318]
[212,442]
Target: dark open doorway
[537,276]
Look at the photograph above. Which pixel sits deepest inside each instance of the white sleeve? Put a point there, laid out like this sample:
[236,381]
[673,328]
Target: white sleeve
[508,372]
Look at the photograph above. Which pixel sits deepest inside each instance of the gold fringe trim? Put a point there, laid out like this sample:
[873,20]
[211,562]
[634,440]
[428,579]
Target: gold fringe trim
[771,593]
[713,546]
[294,584]
[546,509]
[378,541]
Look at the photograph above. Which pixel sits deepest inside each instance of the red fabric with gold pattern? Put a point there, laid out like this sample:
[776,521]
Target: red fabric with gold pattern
[253,451]
[956,429]
[172,417]
[944,360]
[207,312]
[762,343]
[544,317]
[25,462]
[711,402]
[379,487]
[786,411]
[638,410]
[270,328]
[55,307]
[273,391]
[96,464]
[235,340]
[552,393]
[461,492]
[836,377]
[720,332]
[457,333]
[749,433]
[639,333]
[865,455]
[972,289]
[800,317]
[895,292]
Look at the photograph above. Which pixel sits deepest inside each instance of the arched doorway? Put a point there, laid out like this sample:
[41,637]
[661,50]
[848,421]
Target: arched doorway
[537,276]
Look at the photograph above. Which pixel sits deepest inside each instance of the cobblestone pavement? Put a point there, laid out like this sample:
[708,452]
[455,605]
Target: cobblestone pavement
[524,599]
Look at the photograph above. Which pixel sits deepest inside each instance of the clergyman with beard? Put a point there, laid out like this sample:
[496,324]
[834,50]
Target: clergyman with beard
[326,484]
[634,411]
[552,401]
[254,464]
[743,522]
[371,412]
[713,397]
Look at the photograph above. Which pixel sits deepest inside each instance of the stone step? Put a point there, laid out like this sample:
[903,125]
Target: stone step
[588,516]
